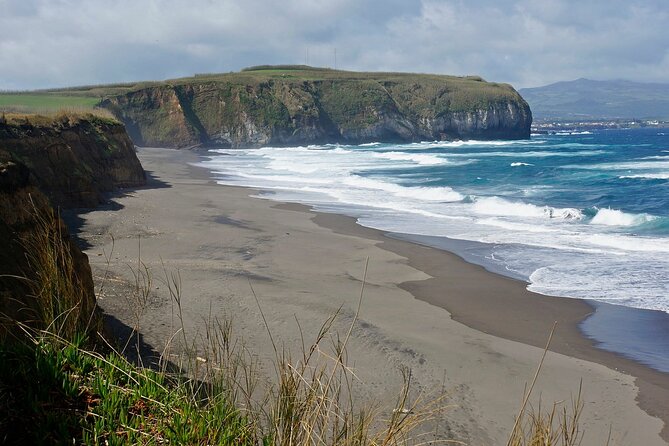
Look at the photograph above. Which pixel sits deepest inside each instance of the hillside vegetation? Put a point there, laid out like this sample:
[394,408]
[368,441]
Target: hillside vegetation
[283,105]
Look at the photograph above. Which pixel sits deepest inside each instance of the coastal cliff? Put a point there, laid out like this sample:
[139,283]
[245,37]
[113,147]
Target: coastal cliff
[47,162]
[33,239]
[303,105]
[73,160]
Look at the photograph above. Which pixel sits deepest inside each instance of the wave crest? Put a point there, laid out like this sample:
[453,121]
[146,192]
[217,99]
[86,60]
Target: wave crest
[501,207]
[422,159]
[443,194]
[615,217]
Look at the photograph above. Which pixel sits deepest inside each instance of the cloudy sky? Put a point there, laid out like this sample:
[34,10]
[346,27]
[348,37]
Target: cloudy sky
[49,43]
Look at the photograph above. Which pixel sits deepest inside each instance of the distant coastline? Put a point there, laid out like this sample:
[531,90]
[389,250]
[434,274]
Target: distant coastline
[552,126]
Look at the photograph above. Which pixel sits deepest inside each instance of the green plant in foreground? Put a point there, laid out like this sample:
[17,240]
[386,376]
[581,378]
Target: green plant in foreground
[55,392]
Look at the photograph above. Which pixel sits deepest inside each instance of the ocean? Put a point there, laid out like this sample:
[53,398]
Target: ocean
[583,215]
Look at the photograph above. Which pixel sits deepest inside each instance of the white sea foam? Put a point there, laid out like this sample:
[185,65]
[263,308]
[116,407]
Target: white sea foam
[615,217]
[656,157]
[285,178]
[370,144]
[387,188]
[422,159]
[631,280]
[268,149]
[340,150]
[629,243]
[632,165]
[291,166]
[517,226]
[531,154]
[649,176]
[501,207]
[443,194]
[585,132]
[425,145]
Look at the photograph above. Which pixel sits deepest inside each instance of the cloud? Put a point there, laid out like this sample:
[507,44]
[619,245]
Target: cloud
[46,43]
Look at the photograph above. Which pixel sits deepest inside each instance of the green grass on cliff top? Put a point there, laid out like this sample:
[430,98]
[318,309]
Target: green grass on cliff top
[44,102]
[89,96]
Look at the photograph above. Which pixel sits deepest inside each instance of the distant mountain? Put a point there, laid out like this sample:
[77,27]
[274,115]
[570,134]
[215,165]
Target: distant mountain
[588,99]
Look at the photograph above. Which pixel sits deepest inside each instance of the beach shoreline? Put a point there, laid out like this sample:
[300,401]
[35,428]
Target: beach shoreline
[438,295]
[514,302]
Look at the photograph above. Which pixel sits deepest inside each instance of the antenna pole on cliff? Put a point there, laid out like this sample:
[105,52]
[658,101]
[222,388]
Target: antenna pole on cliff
[335,51]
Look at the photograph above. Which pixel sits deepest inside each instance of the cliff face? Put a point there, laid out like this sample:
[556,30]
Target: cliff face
[61,162]
[26,222]
[270,107]
[73,161]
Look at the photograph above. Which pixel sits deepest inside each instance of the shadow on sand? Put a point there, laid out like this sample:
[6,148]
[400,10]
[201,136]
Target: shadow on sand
[74,218]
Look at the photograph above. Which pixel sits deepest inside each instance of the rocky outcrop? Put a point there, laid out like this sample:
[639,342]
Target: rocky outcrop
[72,160]
[284,107]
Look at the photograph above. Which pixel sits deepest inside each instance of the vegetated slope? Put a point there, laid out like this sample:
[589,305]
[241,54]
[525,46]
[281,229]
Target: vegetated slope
[588,99]
[45,162]
[71,159]
[287,105]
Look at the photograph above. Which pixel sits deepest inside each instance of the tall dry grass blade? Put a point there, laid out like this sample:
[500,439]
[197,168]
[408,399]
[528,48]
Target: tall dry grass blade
[62,301]
[526,398]
[269,332]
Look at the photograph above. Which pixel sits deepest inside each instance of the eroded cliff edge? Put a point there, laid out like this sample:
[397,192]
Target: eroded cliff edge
[73,160]
[47,163]
[286,106]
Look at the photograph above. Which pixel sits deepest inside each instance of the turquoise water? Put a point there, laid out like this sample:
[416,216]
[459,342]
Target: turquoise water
[576,215]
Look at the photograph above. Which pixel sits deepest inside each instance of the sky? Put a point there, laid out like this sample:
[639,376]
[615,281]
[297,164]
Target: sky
[528,43]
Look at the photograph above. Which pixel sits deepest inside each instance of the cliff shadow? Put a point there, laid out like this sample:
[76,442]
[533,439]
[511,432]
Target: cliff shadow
[74,218]
[152,182]
[130,343]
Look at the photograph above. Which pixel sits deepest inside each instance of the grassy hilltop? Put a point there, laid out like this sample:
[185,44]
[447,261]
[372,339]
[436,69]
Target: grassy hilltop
[301,105]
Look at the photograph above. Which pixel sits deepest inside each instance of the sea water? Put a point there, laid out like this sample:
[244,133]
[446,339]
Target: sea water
[582,215]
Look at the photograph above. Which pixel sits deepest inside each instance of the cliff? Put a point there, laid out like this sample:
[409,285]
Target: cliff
[303,105]
[46,162]
[72,160]
[37,259]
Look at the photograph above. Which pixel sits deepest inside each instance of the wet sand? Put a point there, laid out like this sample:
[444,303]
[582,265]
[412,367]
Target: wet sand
[476,334]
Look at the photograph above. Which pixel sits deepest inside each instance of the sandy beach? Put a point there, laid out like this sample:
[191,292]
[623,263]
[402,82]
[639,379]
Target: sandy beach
[478,335]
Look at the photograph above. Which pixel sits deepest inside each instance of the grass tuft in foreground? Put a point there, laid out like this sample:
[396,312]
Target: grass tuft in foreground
[57,392]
